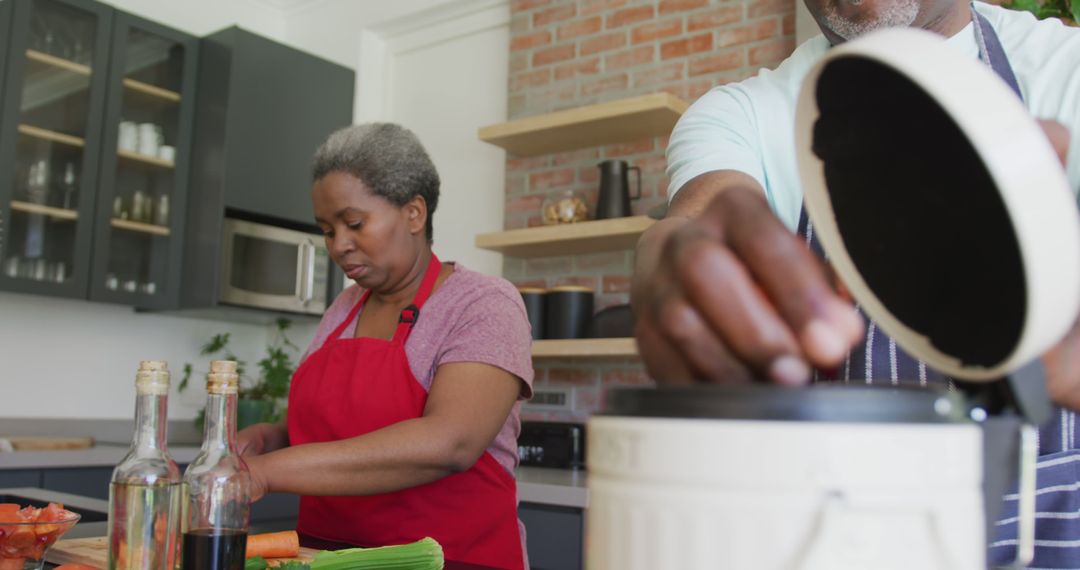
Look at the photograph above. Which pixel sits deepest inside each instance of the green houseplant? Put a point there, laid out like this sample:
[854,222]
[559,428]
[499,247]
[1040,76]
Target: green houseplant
[261,398]
[1067,11]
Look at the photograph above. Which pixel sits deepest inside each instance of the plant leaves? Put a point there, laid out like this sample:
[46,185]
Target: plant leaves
[184,380]
[217,343]
[1075,10]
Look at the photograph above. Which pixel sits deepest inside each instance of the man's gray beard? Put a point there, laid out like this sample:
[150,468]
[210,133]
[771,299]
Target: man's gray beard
[898,13]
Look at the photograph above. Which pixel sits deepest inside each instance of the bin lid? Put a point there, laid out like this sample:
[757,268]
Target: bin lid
[939,202]
[820,402]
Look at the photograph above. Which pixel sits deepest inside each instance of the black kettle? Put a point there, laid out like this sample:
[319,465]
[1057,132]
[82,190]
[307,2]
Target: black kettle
[614,200]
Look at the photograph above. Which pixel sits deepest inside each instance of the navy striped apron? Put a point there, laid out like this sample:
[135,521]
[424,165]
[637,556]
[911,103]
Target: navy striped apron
[880,361]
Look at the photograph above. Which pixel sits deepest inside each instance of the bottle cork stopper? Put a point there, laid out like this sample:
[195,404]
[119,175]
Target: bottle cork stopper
[152,378]
[222,378]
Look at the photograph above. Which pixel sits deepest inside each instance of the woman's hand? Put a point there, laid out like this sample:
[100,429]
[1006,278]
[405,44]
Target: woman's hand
[259,486]
[466,408]
[262,438]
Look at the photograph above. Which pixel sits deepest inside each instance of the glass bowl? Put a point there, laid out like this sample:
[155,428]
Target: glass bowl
[26,534]
[564,207]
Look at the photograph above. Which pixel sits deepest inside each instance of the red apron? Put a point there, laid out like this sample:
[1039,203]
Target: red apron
[354,386]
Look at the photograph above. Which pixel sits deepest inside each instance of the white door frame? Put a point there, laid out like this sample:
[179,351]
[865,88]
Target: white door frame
[379,46]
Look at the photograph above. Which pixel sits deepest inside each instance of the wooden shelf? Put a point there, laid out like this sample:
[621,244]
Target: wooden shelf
[140,227]
[585,348]
[625,120]
[567,239]
[152,90]
[54,213]
[53,61]
[145,159]
[51,136]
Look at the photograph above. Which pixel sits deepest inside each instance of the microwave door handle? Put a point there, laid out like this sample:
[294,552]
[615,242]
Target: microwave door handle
[308,275]
[301,271]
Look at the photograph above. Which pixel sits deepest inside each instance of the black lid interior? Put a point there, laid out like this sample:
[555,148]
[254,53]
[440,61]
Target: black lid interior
[918,212]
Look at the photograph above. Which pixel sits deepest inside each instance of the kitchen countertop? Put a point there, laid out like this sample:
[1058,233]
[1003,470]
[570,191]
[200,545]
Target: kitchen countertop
[97,456]
[557,487]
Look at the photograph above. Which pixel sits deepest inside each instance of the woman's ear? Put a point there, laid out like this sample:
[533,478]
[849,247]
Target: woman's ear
[416,214]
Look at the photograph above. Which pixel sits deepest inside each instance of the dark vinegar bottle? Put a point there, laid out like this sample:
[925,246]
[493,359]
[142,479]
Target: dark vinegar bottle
[218,484]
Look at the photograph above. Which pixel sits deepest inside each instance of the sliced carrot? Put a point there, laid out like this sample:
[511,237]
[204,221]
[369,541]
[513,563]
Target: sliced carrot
[284,544]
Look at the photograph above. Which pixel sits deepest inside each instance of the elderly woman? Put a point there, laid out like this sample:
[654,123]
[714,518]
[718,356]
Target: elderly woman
[404,412]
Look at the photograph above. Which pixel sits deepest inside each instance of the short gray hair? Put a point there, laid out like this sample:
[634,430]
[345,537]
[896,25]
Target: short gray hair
[387,158]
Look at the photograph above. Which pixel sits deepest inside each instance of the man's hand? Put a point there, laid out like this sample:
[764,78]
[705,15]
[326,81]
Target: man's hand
[1063,361]
[724,292]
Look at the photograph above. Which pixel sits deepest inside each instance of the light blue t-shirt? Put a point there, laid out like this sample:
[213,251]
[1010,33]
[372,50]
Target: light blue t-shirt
[749,126]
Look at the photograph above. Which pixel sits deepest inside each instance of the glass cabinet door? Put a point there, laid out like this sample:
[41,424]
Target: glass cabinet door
[5,32]
[142,191]
[53,97]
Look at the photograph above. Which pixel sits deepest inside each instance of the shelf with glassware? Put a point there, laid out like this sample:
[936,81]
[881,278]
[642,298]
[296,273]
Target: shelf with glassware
[78,68]
[139,229]
[50,112]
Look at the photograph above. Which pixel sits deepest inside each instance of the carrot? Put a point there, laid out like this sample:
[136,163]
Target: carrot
[284,544]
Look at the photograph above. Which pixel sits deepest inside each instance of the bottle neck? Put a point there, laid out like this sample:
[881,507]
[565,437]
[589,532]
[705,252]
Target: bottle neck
[150,418]
[220,429]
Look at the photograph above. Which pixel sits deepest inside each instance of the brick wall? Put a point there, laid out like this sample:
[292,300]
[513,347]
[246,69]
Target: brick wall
[568,53]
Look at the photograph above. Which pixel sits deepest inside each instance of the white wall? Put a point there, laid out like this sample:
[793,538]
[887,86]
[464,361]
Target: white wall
[201,17]
[444,87]
[805,26]
[74,359]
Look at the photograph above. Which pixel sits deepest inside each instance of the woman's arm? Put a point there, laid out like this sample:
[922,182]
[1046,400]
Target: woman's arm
[466,407]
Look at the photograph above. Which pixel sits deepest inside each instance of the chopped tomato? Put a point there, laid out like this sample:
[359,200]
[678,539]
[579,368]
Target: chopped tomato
[29,531]
[11,564]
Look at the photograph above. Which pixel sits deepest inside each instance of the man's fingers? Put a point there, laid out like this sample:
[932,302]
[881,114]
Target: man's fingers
[795,281]
[704,352]
[662,361]
[718,286]
[1059,138]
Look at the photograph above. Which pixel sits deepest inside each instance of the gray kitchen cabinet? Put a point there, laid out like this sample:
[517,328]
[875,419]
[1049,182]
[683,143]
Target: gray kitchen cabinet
[54,93]
[142,190]
[5,31]
[263,108]
[276,507]
[85,212]
[10,478]
[85,481]
[553,536]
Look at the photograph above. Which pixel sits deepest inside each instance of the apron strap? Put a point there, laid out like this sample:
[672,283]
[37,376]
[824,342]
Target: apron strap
[351,318]
[410,314]
[991,52]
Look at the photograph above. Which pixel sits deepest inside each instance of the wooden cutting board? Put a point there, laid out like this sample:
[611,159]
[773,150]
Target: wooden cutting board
[28,443]
[95,552]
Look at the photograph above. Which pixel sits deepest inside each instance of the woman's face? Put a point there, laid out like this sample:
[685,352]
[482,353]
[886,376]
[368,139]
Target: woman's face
[374,241]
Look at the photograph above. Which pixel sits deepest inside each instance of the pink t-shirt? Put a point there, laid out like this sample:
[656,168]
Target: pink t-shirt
[472,317]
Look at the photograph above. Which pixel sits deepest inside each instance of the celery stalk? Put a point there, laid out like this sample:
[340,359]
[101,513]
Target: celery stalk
[424,554]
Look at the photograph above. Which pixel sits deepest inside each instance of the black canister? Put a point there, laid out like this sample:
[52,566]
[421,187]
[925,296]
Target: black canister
[534,308]
[567,312]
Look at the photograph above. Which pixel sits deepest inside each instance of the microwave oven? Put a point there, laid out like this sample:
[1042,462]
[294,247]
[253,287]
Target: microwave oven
[271,267]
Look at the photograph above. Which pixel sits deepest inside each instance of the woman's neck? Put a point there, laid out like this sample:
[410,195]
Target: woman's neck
[404,290]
